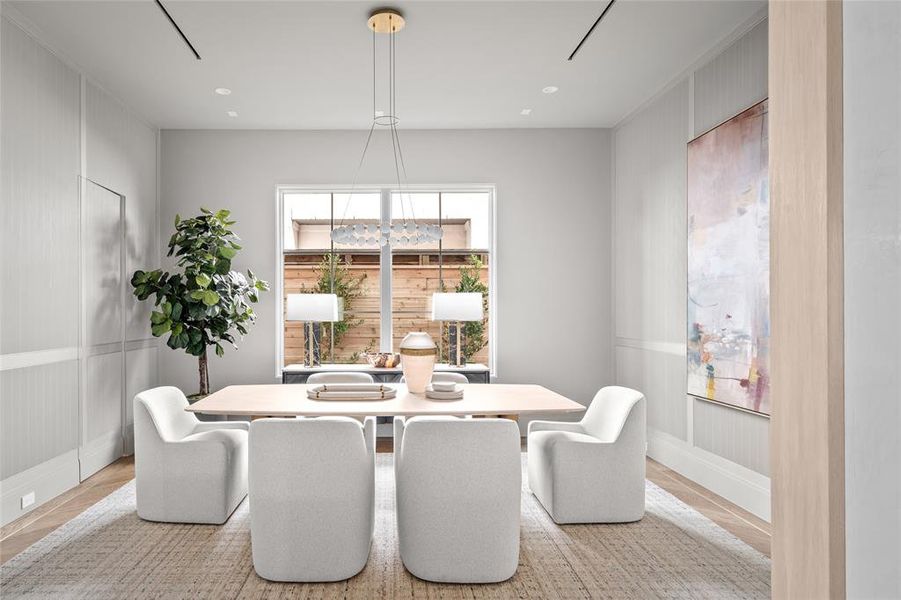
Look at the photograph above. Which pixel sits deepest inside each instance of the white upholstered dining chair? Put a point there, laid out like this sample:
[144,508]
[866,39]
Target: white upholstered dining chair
[339,377]
[458,489]
[592,471]
[186,471]
[312,497]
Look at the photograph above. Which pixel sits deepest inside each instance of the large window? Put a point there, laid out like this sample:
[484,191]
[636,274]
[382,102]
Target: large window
[385,293]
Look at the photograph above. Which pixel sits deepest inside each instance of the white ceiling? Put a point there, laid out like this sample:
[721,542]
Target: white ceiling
[308,65]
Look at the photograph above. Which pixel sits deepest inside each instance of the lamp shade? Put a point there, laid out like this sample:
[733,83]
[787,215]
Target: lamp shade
[463,306]
[312,307]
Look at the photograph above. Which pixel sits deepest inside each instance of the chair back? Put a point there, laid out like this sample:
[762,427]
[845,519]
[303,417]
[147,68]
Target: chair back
[458,490]
[311,484]
[474,446]
[613,411]
[160,412]
[339,377]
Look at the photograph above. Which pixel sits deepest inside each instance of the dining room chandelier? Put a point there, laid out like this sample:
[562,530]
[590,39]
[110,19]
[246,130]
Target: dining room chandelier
[406,231]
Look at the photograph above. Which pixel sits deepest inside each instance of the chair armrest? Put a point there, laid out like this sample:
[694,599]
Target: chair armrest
[574,427]
[399,424]
[203,450]
[369,435]
[213,425]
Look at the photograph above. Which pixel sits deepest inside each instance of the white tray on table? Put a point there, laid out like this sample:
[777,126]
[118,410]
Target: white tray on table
[351,391]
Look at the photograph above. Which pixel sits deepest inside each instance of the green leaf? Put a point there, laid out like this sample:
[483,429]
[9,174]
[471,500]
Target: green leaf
[219,350]
[167,308]
[197,294]
[157,317]
[177,219]
[226,252]
[223,214]
[203,280]
[176,311]
[160,328]
[210,298]
[223,266]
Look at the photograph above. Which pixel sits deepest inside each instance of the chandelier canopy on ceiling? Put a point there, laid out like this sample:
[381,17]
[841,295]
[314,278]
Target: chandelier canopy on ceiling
[386,21]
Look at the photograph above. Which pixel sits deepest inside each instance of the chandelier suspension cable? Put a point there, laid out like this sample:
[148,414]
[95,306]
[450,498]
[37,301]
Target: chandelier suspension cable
[386,21]
[392,121]
[396,136]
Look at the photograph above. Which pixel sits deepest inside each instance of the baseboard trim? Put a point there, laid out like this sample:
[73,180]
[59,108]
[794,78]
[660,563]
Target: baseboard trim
[737,484]
[47,480]
[100,452]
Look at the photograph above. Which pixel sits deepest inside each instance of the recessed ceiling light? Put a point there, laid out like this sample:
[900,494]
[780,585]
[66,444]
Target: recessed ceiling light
[551,89]
[232,113]
[526,111]
[223,91]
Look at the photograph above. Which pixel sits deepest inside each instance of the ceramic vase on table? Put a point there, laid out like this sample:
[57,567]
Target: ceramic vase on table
[418,354]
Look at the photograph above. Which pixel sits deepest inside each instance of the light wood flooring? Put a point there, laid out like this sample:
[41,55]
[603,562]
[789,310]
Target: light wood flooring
[28,529]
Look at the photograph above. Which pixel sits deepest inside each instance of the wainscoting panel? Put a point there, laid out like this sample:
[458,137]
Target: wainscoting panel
[731,82]
[141,366]
[38,415]
[660,376]
[39,154]
[743,438]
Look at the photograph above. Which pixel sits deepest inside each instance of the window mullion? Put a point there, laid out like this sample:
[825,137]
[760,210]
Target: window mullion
[386,335]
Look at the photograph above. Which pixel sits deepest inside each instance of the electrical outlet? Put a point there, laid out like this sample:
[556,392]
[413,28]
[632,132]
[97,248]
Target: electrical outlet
[27,500]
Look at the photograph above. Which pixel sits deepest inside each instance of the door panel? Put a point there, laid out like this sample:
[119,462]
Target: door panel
[103,350]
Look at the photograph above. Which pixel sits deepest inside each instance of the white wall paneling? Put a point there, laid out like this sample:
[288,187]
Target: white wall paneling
[50,134]
[38,413]
[141,369]
[39,154]
[649,266]
[872,244]
[735,78]
[40,163]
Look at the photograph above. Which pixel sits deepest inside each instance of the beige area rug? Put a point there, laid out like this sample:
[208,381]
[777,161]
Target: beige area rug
[108,552]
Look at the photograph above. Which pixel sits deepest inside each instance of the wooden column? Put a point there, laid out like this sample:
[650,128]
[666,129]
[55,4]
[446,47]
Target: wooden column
[807,429]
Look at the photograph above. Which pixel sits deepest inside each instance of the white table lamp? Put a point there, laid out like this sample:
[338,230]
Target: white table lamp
[312,309]
[456,308]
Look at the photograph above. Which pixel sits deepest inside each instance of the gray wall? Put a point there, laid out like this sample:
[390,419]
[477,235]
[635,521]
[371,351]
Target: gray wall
[724,449]
[553,227]
[872,213]
[51,134]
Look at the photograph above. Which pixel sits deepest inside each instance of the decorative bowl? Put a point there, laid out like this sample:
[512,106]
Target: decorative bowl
[382,360]
[444,386]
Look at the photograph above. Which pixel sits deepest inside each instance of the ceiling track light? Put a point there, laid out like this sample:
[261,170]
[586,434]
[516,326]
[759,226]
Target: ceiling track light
[178,29]
[591,29]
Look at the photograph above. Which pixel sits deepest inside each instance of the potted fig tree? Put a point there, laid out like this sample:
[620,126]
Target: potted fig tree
[205,304]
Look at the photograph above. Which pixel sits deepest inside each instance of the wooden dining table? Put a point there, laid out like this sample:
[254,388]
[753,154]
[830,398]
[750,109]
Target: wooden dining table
[290,400]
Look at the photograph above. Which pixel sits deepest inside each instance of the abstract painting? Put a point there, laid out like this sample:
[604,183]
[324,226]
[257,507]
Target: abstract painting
[729,263]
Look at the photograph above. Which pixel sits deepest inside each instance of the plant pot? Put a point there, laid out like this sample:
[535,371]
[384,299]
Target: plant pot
[418,354]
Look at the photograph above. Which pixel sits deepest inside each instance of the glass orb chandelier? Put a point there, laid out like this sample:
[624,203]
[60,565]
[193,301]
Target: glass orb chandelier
[386,21]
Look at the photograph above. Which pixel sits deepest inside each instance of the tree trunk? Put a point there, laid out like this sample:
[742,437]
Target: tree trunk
[204,373]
